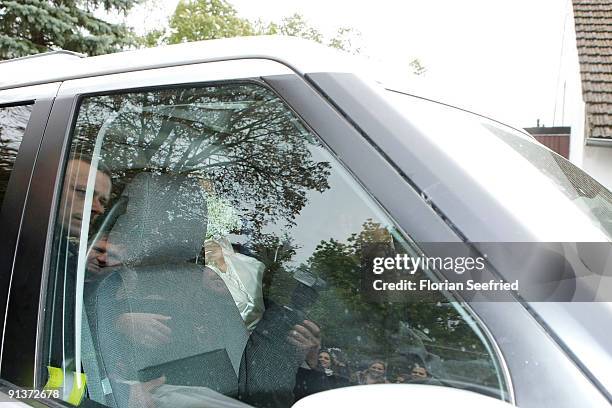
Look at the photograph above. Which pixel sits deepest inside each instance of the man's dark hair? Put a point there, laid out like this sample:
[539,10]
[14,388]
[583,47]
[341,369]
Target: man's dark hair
[85,157]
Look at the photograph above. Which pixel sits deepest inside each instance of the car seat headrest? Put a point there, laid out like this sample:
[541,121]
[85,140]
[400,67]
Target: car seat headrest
[165,220]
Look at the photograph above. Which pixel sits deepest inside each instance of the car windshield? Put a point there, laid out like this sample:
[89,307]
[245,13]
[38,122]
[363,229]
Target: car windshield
[542,187]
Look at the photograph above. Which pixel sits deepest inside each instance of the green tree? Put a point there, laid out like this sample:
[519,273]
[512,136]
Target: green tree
[346,39]
[33,26]
[297,26]
[152,38]
[417,67]
[195,20]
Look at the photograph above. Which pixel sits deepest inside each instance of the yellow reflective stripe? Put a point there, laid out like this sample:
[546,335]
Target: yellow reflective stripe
[56,378]
[78,389]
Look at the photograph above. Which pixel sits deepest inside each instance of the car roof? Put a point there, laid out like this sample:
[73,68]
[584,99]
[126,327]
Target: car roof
[300,55]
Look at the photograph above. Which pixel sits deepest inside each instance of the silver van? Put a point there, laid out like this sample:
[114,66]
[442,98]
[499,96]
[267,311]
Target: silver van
[250,222]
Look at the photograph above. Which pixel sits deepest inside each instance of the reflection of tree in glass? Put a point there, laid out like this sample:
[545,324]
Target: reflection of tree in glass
[399,332]
[222,217]
[275,253]
[240,137]
[13,121]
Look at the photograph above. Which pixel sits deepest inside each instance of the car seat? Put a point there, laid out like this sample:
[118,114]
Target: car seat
[160,237]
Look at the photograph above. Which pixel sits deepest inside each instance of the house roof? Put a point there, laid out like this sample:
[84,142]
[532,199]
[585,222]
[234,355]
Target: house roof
[593,20]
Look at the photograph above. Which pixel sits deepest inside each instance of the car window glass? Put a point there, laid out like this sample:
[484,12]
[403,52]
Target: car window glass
[209,247]
[13,122]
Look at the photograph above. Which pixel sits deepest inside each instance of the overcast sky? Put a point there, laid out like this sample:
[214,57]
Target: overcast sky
[495,57]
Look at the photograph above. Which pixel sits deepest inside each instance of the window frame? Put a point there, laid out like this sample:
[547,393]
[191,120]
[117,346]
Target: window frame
[346,143]
[40,97]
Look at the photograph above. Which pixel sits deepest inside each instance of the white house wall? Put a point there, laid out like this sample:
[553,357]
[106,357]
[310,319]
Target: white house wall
[598,163]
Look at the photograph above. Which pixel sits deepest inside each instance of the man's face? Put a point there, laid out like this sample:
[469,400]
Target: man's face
[103,255]
[75,188]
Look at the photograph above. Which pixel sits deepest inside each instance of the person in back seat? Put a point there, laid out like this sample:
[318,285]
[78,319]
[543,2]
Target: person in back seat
[74,190]
[68,231]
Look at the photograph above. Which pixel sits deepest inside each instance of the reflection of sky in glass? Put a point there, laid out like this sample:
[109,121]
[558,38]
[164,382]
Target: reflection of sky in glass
[336,213]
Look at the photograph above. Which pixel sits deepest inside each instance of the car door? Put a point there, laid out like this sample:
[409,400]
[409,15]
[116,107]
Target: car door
[266,215]
[24,113]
